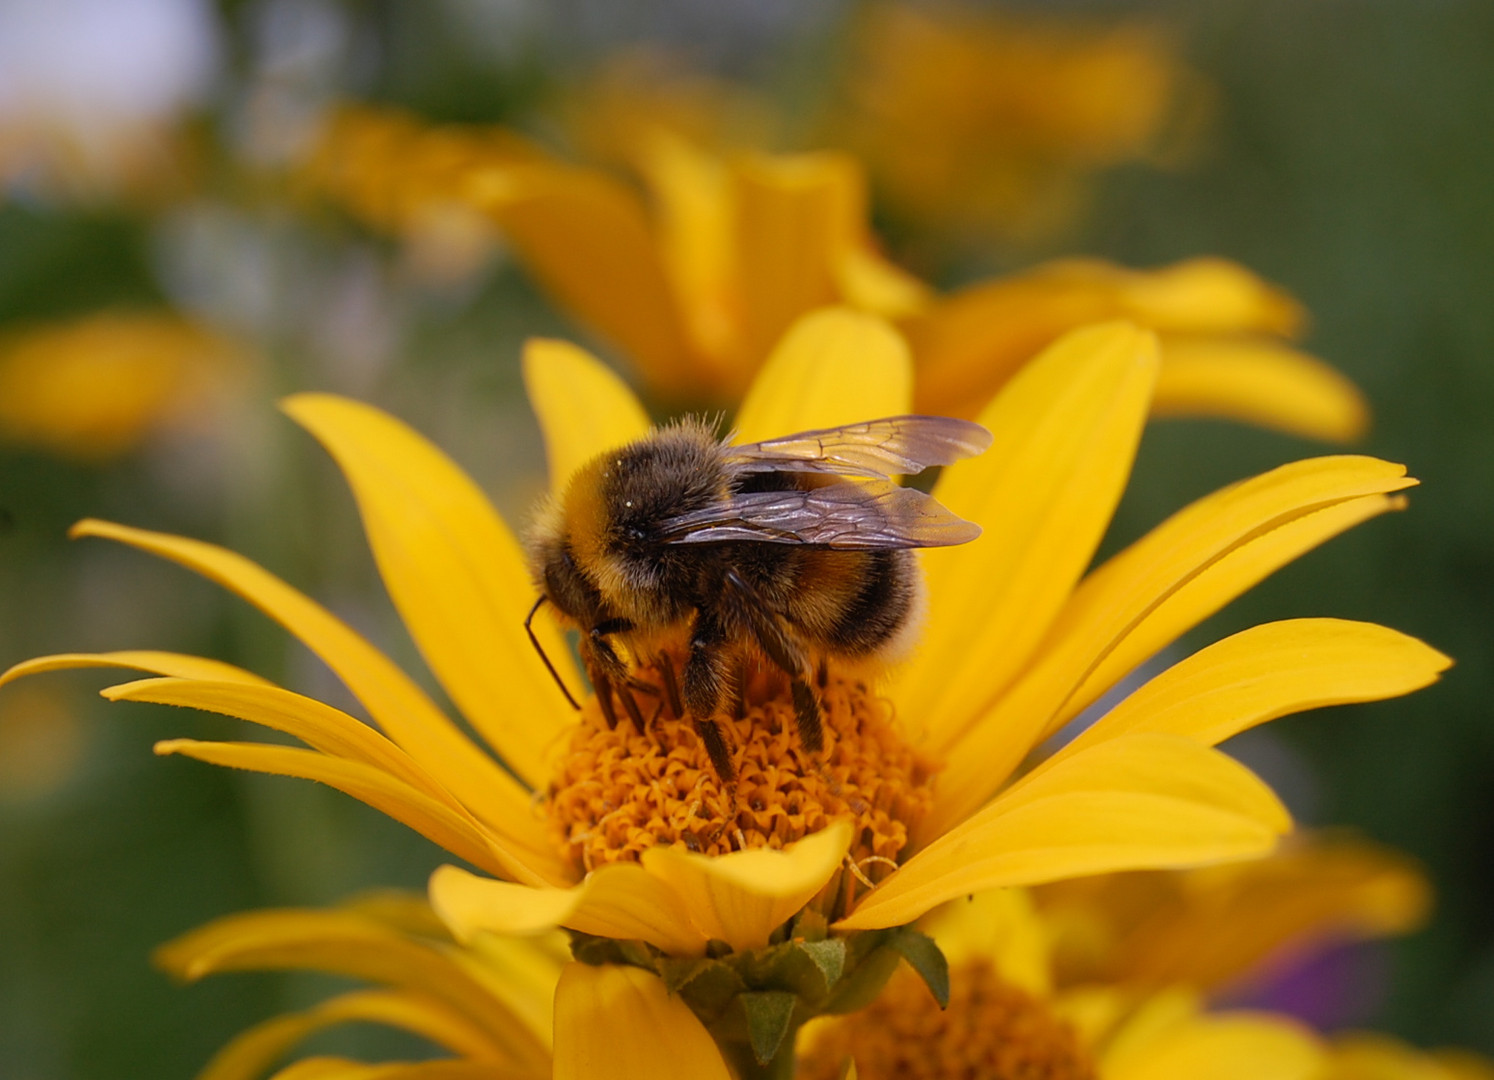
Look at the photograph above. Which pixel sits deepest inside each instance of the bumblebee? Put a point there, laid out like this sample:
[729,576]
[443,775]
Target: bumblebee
[793,551]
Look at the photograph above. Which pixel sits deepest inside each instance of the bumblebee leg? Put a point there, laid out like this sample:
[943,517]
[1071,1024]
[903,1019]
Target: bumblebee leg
[606,669]
[707,667]
[603,688]
[739,699]
[671,686]
[807,713]
[630,705]
[787,654]
[717,750]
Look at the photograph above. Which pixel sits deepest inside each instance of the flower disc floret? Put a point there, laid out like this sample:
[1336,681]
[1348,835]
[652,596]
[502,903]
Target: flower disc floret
[992,1030]
[620,791]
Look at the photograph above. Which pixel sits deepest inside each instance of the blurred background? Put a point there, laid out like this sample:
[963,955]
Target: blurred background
[181,244]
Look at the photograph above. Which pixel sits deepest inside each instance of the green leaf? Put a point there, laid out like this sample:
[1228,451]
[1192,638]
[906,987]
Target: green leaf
[926,959]
[770,1014]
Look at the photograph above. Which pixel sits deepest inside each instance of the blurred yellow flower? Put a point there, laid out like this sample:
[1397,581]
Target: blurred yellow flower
[1225,336]
[1152,929]
[1107,976]
[695,276]
[410,179]
[977,124]
[98,386]
[1364,1056]
[1007,1019]
[923,795]
[614,113]
[42,741]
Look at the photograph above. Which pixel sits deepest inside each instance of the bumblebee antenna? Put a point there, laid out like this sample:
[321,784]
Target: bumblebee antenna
[529,629]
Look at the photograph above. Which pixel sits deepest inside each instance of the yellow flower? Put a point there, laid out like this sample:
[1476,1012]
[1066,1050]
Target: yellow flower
[1014,999]
[696,283]
[1363,1056]
[504,1008]
[1225,334]
[617,110]
[1107,976]
[922,794]
[96,387]
[43,740]
[978,125]
[1152,929]
[1006,1019]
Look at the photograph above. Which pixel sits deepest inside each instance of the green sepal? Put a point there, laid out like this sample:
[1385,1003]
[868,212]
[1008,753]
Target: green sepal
[924,957]
[829,960]
[864,981]
[707,986]
[770,1016]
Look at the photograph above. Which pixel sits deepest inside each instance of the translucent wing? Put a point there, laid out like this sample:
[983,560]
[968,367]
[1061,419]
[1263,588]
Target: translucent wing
[894,446]
[873,516]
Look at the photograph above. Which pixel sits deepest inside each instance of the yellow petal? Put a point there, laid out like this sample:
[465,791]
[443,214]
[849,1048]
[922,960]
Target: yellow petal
[1145,597]
[583,407]
[792,220]
[621,901]
[974,341]
[1260,382]
[520,972]
[1066,431]
[832,367]
[1185,570]
[345,943]
[94,387]
[1001,927]
[621,1023]
[1301,898]
[585,236]
[335,1068]
[1138,801]
[1362,1055]
[1203,295]
[454,571]
[437,821]
[868,282]
[179,665]
[741,898]
[1270,671]
[400,707]
[1227,1046]
[251,1053]
[696,217]
[320,726]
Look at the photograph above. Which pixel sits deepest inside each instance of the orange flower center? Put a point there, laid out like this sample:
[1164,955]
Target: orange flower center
[620,791]
[992,1030]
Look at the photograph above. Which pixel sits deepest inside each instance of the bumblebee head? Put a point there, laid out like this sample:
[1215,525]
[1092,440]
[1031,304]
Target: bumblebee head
[608,521]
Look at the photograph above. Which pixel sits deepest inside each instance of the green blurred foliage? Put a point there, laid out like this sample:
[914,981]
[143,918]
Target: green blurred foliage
[1349,160]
